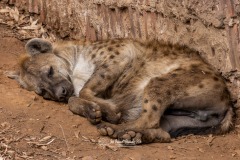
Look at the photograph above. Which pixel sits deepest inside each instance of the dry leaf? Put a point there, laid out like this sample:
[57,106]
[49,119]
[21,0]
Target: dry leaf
[45,139]
[45,148]
[200,150]
[64,153]
[14,13]
[6,125]
[23,32]
[22,20]
[169,148]
[6,10]
[33,25]
[77,134]
[238,152]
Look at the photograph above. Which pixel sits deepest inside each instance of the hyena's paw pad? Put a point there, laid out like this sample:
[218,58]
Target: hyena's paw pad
[106,130]
[93,113]
[88,109]
[130,138]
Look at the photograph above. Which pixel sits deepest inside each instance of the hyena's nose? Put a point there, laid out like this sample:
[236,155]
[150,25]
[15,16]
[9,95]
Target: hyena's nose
[61,93]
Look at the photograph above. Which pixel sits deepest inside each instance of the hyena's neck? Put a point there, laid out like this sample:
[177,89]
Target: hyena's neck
[82,67]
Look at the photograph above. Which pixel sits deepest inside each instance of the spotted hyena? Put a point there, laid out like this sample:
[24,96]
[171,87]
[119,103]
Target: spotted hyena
[138,91]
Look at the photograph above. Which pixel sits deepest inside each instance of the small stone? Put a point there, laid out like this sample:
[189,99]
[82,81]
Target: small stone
[88,158]
[64,153]
[45,148]
[169,148]
[11,153]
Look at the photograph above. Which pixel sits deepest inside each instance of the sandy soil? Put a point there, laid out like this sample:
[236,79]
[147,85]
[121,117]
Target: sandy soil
[33,128]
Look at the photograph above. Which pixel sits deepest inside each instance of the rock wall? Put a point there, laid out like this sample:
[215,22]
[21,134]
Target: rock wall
[210,26]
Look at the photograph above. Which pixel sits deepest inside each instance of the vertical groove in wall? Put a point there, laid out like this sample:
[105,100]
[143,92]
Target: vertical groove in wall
[233,34]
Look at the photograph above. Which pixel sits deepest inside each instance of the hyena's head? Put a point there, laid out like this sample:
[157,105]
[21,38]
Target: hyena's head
[44,72]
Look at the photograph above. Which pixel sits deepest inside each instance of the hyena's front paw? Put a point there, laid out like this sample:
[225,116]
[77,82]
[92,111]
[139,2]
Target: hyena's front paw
[116,131]
[90,110]
[93,113]
[132,137]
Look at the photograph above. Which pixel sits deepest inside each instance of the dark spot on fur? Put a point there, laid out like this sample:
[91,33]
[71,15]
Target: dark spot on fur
[93,56]
[99,83]
[102,75]
[161,79]
[108,77]
[114,62]
[101,53]
[226,91]
[123,85]
[113,42]
[150,116]
[174,75]
[216,86]
[117,53]
[215,79]
[159,100]
[105,66]
[194,66]
[144,111]
[223,97]
[142,64]
[112,56]
[154,107]
[110,48]
[213,51]
[176,87]
[178,69]
[165,52]
[146,101]
[117,45]
[200,85]
[168,92]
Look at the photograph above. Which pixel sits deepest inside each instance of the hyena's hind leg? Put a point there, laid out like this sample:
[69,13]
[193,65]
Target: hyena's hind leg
[201,98]
[154,103]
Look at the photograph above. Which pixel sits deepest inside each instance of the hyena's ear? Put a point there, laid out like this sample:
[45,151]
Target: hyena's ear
[38,45]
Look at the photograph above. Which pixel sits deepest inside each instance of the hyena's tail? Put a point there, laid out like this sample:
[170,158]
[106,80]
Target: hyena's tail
[227,121]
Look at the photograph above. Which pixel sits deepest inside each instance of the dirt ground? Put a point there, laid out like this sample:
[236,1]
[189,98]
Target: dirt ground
[33,128]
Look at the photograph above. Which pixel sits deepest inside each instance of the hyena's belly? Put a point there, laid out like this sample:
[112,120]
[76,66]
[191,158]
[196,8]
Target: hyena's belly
[129,101]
